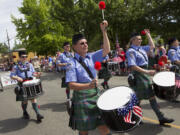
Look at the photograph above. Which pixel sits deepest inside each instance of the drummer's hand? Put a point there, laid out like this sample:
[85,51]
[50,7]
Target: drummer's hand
[19,79]
[147,31]
[93,84]
[104,25]
[151,72]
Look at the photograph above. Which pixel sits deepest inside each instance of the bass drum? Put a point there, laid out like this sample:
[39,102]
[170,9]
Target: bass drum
[119,110]
[164,85]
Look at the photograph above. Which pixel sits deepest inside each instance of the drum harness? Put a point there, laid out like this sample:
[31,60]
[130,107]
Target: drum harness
[25,70]
[131,77]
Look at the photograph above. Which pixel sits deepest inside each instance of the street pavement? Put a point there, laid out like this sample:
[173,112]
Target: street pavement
[52,106]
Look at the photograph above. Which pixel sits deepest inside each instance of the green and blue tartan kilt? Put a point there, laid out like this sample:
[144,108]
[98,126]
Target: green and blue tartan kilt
[143,87]
[86,115]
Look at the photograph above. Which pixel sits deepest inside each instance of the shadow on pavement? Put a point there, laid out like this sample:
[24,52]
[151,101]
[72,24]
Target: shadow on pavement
[147,129]
[165,104]
[55,107]
[14,124]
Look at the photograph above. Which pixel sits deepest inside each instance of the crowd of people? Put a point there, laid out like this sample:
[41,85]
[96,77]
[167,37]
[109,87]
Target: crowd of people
[78,74]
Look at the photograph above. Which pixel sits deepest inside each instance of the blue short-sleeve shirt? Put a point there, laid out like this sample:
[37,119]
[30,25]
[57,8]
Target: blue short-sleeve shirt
[137,55]
[77,73]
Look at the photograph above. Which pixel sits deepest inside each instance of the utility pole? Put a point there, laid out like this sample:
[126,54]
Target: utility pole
[9,49]
[8,40]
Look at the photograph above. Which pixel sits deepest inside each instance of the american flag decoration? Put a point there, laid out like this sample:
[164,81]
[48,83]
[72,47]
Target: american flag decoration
[177,80]
[130,109]
[137,111]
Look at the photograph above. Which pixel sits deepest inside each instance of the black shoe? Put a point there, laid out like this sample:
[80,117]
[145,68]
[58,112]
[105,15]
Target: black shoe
[39,118]
[165,120]
[141,123]
[102,84]
[26,116]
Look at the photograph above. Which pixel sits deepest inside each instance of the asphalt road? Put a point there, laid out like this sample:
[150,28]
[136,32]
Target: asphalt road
[52,106]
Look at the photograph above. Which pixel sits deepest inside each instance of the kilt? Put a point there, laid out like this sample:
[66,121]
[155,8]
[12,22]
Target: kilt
[63,83]
[86,115]
[143,86]
[19,96]
[104,73]
[19,93]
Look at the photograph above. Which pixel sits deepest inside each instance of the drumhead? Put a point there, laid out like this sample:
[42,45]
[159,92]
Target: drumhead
[164,79]
[114,98]
[35,81]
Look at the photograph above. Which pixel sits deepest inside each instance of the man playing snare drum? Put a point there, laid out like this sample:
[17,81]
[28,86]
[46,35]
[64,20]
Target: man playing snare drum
[138,63]
[21,72]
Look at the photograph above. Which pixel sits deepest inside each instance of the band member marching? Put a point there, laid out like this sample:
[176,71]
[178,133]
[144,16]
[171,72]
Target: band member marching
[63,61]
[81,78]
[21,72]
[138,63]
[174,52]
[104,73]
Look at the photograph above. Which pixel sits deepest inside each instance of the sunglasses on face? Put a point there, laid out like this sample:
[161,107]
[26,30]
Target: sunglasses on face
[138,38]
[83,43]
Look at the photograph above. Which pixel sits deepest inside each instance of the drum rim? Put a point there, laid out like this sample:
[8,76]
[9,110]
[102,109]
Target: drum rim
[159,73]
[109,89]
[38,82]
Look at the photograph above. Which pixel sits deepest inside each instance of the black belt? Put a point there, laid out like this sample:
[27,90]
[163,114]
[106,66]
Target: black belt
[144,66]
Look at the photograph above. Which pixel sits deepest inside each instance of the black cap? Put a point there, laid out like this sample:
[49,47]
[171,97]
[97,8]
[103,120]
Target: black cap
[22,53]
[134,34]
[77,37]
[171,40]
[66,43]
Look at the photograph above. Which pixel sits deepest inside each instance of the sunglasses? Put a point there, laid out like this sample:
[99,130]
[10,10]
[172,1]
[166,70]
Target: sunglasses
[138,38]
[83,43]
[23,56]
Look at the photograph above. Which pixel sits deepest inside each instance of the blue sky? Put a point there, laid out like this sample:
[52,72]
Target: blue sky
[8,7]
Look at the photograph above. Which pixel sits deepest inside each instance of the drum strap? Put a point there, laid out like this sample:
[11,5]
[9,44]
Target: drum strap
[140,53]
[85,67]
[87,70]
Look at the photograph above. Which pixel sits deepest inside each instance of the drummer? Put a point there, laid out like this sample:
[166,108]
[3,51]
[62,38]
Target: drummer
[104,73]
[174,51]
[82,79]
[21,72]
[62,62]
[138,63]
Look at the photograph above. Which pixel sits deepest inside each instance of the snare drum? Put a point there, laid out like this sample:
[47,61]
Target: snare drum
[113,66]
[32,89]
[164,85]
[119,110]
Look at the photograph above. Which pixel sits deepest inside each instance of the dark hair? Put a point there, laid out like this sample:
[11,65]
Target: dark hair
[66,43]
[171,40]
[76,38]
[134,34]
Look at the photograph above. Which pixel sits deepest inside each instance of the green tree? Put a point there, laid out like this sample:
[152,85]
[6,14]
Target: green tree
[38,31]
[124,17]
[4,48]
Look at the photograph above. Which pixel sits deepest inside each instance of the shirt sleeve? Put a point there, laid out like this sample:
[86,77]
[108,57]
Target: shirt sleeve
[32,68]
[131,58]
[146,48]
[14,71]
[71,73]
[97,56]
[173,56]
